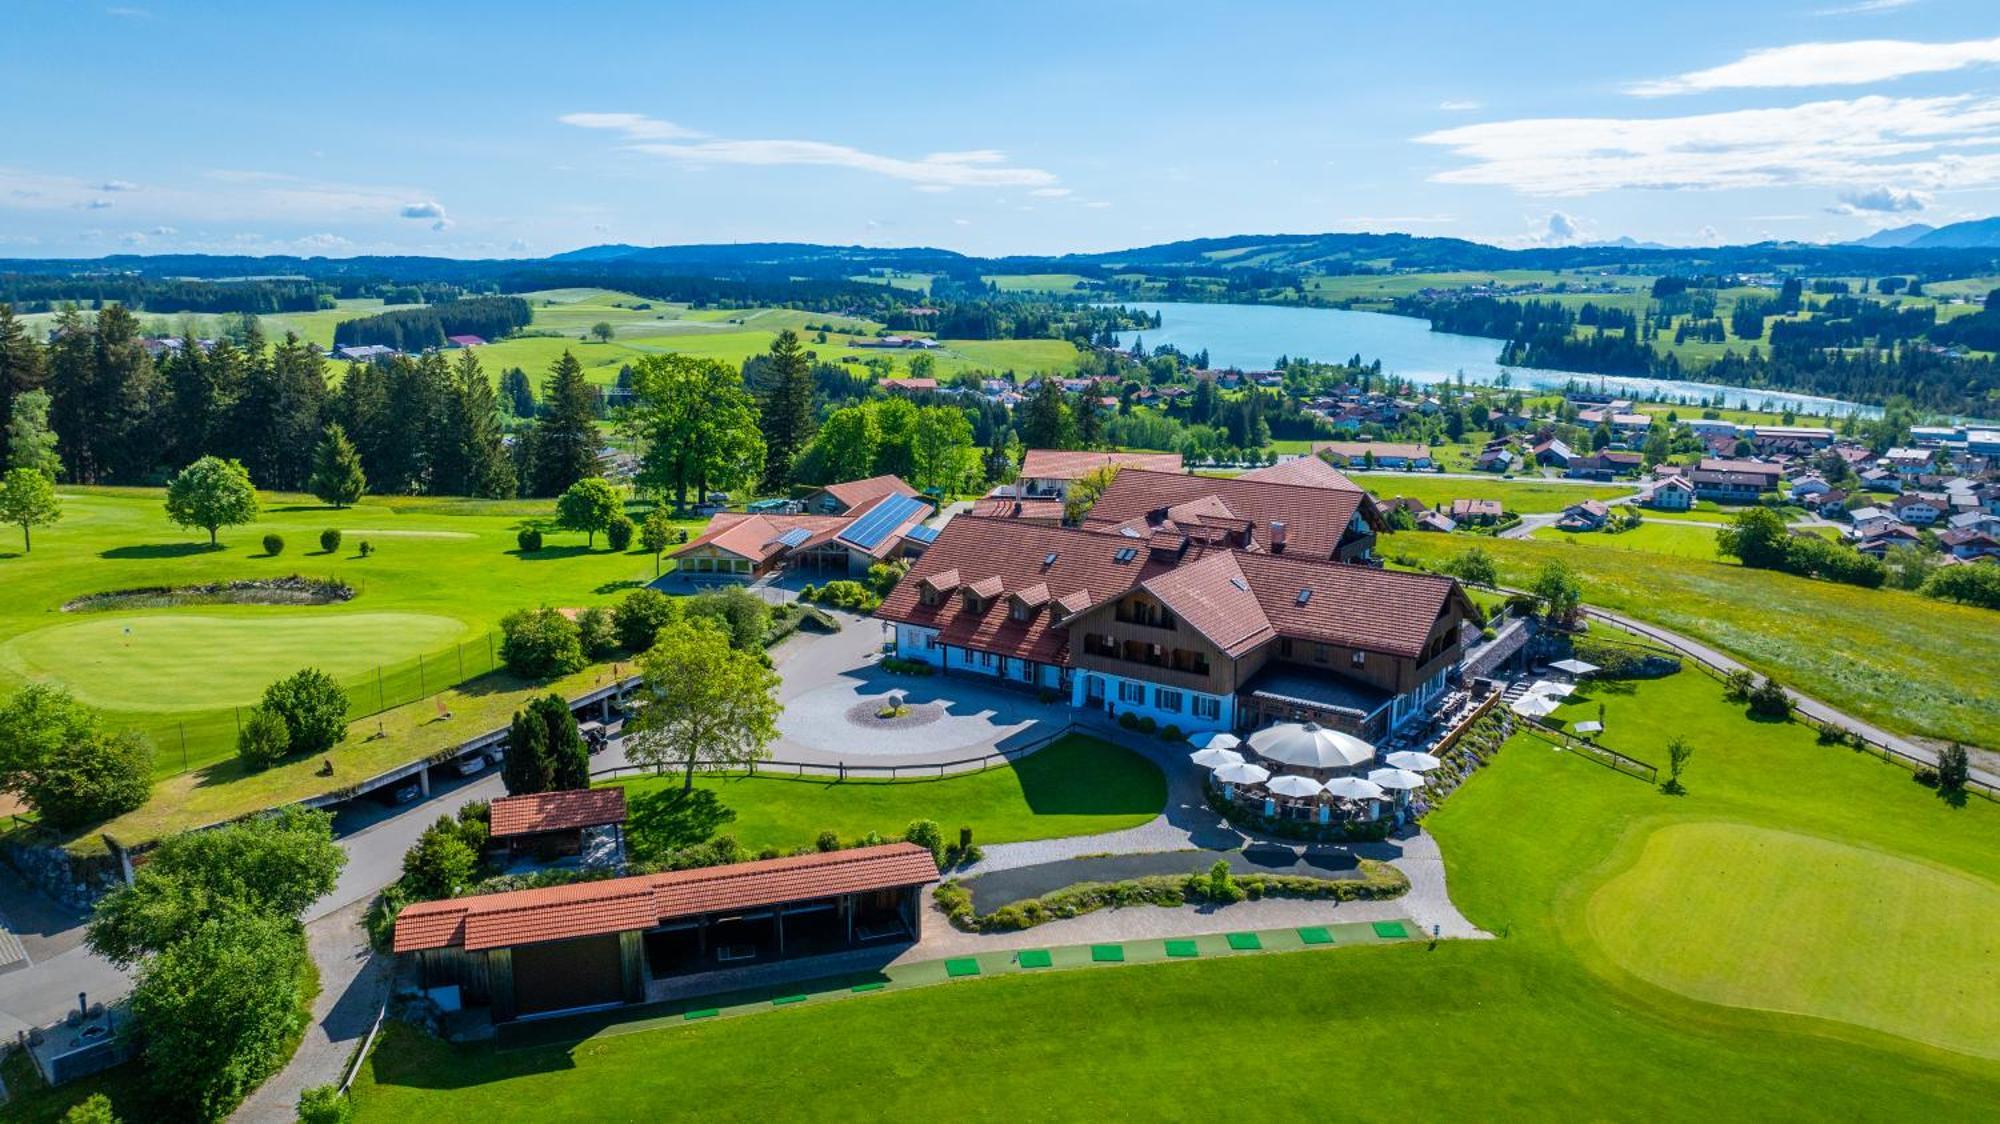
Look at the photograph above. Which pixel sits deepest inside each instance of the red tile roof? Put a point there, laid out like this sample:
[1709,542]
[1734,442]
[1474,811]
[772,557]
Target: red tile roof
[855,493]
[1069,464]
[616,905]
[1240,600]
[1010,507]
[756,536]
[1316,518]
[557,811]
[972,551]
[1359,450]
[1310,471]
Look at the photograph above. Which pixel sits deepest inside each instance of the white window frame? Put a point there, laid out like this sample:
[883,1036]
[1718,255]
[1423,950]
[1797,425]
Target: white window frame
[1167,699]
[1130,692]
[1206,707]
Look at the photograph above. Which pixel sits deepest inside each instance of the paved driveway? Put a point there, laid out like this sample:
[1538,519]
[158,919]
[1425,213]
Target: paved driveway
[834,684]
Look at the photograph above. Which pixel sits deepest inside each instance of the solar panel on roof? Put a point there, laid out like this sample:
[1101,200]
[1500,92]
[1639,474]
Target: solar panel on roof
[923,534]
[794,537]
[883,518]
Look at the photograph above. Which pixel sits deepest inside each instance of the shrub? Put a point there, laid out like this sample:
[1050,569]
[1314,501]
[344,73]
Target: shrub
[618,533]
[1171,733]
[1146,724]
[641,615]
[926,833]
[1128,720]
[274,544]
[1768,700]
[56,754]
[850,595]
[367,548]
[1222,887]
[741,613]
[323,1104]
[263,740]
[529,539]
[827,841]
[313,707]
[1736,687]
[329,540]
[94,1109]
[596,632]
[1047,695]
[445,859]
[1954,768]
[540,643]
[895,665]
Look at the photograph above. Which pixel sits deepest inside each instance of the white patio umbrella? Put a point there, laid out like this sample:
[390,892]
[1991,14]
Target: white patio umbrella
[1413,760]
[1535,706]
[1242,773]
[1354,788]
[1216,739]
[1309,745]
[1574,666]
[1294,786]
[1215,758]
[1396,778]
[1589,727]
[1552,689]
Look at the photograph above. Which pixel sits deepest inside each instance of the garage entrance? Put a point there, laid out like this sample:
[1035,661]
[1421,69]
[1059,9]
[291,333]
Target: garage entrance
[558,975]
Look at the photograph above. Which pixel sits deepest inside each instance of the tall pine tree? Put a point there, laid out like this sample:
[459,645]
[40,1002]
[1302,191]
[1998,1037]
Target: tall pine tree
[786,410]
[21,368]
[565,440]
[337,478]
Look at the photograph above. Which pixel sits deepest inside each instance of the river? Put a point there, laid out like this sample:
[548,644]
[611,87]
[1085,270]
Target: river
[1254,336]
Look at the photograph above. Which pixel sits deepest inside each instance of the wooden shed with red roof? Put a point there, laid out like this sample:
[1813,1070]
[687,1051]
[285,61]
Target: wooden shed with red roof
[592,944]
[554,822]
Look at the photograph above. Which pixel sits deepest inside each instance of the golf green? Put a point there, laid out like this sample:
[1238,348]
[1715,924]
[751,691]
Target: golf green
[1781,921]
[190,661]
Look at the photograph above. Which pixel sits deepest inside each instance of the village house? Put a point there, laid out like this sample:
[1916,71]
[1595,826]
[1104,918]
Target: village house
[1733,481]
[1476,513]
[1606,464]
[1920,508]
[1382,454]
[1675,493]
[1590,515]
[1048,473]
[839,499]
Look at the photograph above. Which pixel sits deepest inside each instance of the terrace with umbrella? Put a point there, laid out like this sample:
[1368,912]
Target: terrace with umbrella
[1307,772]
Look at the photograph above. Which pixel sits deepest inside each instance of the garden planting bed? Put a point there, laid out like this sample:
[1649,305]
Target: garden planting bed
[293,590]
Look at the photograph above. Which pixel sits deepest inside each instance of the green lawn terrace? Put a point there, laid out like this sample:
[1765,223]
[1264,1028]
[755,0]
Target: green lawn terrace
[1893,658]
[1823,946]
[426,604]
[1075,786]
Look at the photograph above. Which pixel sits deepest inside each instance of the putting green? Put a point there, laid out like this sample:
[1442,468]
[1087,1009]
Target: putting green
[197,661]
[1779,921]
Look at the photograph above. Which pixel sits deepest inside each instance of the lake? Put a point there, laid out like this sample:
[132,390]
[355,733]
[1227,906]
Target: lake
[1253,337]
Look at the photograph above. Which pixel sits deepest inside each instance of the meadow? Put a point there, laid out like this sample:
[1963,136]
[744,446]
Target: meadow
[1592,998]
[1904,662]
[440,575]
[1524,496]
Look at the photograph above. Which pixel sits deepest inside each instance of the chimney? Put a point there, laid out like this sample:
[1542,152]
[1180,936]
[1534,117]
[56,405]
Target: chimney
[1277,536]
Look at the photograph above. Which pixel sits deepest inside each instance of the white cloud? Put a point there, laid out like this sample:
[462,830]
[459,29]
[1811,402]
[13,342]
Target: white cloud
[1913,143]
[1097,204]
[1562,229]
[1827,64]
[1459,106]
[1865,8]
[99,204]
[129,13]
[976,168]
[163,232]
[1050,192]
[932,188]
[429,209]
[118,185]
[1880,200]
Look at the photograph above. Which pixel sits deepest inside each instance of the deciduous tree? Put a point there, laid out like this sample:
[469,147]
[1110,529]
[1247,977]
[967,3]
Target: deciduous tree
[700,426]
[28,500]
[211,493]
[708,706]
[589,506]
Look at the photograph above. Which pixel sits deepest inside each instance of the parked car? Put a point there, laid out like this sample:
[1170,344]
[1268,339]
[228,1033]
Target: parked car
[471,764]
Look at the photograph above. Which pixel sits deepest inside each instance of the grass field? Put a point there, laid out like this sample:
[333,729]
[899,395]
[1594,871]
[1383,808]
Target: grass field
[442,574]
[1652,538]
[1525,496]
[1509,1028]
[1033,282]
[1896,659]
[1077,786]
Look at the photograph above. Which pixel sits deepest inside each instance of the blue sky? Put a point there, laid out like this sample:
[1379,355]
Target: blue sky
[504,129]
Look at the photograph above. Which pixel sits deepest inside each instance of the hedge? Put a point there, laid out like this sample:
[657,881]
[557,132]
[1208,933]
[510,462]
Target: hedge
[1379,881]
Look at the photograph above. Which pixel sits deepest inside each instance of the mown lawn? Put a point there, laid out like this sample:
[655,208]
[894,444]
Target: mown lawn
[1536,1023]
[1905,662]
[427,599]
[1652,538]
[1077,786]
[1524,496]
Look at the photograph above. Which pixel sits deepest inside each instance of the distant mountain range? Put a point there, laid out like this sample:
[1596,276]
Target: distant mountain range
[1976,234]
[1958,250]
